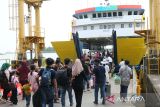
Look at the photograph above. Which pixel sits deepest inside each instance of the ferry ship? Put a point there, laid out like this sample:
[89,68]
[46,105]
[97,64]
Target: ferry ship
[94,25]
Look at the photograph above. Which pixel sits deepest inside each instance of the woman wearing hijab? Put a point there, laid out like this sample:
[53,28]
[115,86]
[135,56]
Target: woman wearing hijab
[78,76]
[5,74]
[23,72]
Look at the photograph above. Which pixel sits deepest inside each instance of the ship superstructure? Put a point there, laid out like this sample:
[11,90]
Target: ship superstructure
[95,25]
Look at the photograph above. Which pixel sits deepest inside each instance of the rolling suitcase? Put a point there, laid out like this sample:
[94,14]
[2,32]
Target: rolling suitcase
[110,98]
[108,90]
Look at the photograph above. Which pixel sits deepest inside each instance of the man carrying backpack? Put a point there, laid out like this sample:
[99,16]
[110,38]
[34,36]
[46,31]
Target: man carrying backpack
[47,82]
[64,81]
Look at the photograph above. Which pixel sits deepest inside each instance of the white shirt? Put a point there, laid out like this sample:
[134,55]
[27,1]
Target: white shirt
[109,59]
[107,70]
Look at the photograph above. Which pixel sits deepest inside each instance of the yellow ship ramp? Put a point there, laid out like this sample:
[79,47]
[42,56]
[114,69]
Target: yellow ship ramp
[132,49]
[65,49]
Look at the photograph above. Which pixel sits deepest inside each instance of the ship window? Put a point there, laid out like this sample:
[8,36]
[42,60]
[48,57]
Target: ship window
[94,15]
[105,27]
[84,27]
[85,16]
[109,26]
[137,24]
[141,12]
[129,12]
[104,15]
[114,13]
[80,16]
[99,15]
[119,13]
[92,27]
[130,25]
[100,26]
[122,25]
[109,14]
[113,26]
[135,12]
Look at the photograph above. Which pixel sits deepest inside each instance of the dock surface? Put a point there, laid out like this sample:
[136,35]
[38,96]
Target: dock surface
[88,98]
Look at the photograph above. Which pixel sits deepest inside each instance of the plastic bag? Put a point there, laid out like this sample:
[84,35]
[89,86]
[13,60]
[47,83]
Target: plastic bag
[117,80]
[1,93]
[19,89]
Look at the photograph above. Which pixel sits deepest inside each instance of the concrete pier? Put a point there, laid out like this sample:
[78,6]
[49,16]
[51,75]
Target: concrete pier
[88,98]
[151,90]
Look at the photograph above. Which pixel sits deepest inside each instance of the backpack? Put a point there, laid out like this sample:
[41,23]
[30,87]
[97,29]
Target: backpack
[46,77]
[46,84]
[62,77]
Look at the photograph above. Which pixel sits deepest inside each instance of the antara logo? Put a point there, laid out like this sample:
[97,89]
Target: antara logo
[133,99]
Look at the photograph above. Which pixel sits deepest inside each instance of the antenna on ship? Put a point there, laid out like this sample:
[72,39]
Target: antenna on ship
[105,3]
[138,2]
[87,3]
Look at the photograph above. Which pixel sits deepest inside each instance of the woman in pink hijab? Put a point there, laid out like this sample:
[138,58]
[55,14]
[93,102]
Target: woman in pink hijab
[77,82]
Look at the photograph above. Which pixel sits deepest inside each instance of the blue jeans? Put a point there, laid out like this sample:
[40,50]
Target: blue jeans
[86,84]
[28,99]
[44,97]
[63,93]
[102,87]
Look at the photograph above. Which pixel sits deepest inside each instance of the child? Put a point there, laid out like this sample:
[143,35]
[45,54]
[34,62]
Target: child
[32,78]
[13,85]
[27,90]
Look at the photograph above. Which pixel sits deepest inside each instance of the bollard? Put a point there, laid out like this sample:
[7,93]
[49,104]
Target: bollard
[138,82]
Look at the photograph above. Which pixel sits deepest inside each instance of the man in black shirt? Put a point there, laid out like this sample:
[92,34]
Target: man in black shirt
[66,85]
[99,72]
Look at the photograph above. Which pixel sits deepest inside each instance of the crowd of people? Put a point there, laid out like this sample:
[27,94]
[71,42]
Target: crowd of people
[49,84]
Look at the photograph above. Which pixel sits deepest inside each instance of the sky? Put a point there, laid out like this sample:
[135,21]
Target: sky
[56,17]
